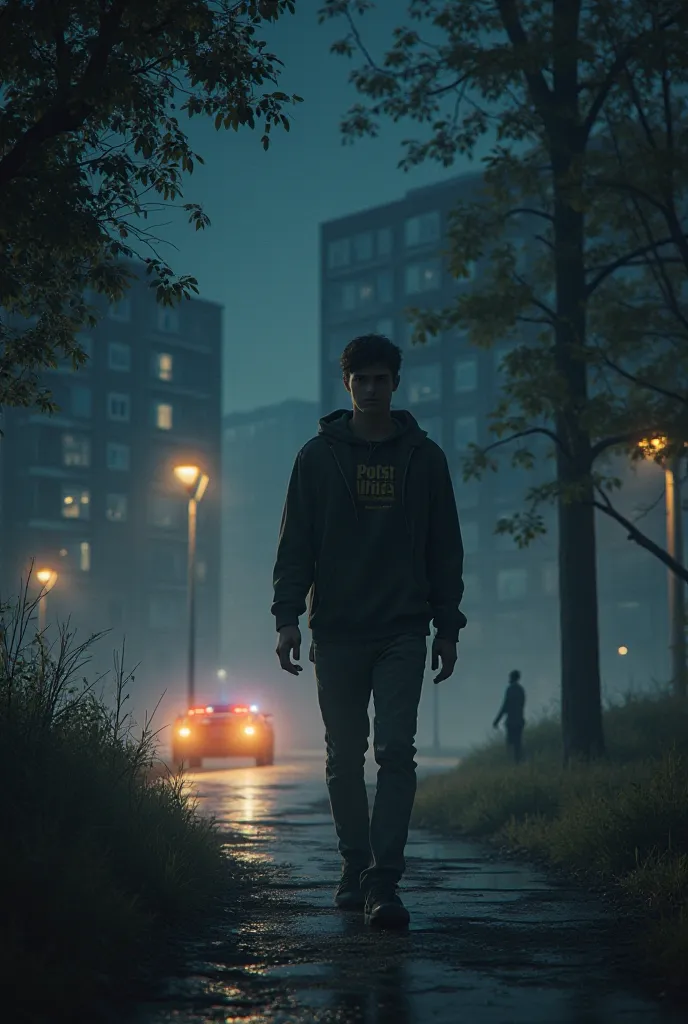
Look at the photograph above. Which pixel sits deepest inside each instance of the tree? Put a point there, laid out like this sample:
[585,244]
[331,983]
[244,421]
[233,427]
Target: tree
[91,144]
[538,77]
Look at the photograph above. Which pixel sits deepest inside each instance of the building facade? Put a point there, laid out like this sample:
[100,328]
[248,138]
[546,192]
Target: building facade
[259,448]
[90,491]
[375,264]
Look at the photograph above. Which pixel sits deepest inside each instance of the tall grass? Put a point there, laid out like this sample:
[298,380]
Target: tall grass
[99,860]
[621,822]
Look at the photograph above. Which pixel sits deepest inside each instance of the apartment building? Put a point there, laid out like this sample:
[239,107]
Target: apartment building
[259,448]
[90,491]
[375,264]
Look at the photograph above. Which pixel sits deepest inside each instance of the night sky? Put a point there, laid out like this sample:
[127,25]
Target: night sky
[260,256]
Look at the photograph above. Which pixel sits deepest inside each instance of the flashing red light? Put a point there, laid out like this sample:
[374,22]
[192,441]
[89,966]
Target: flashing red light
[240,709]
[200,711]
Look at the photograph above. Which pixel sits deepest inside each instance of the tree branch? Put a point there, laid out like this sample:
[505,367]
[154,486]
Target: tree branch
[539,90]
[639,537]
[623,261]
[72,112]
[526,433]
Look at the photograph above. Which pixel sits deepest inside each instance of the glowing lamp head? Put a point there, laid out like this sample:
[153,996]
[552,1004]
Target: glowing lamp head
[623,650]
[185,731]
[188,475]
[46,576]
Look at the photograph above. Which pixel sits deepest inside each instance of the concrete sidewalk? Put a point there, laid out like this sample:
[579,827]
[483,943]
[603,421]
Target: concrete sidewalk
[491,941]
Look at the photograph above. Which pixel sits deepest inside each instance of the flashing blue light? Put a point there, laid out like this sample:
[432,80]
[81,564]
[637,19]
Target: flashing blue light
[254,707]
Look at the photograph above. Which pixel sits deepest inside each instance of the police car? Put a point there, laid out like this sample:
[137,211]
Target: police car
[223,730]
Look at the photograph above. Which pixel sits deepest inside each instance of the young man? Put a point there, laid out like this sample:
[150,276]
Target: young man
[512,709]
[370,527]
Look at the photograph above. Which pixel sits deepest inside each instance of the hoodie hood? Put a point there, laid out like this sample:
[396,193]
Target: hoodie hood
[336,426]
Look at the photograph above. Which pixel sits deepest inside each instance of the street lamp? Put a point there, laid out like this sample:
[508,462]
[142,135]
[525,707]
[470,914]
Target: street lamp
[195,482]
[47,578]
[655,448]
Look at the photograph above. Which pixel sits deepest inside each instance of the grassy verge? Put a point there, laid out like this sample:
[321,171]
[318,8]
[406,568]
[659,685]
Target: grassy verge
[622,824]
[103,860]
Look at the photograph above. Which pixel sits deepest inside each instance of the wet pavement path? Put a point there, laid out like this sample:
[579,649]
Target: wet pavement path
[491,941]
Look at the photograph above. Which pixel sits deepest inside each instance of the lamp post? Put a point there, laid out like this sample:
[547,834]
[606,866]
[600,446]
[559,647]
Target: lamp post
[195,482]
[674,541]
[47,578]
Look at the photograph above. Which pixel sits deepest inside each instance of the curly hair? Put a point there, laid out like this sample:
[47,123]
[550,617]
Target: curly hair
[369,349]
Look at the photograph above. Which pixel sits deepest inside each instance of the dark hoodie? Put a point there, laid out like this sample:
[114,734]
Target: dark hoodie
[371,530]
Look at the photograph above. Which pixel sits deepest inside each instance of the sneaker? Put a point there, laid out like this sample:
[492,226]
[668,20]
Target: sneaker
[349,895]
[384,909]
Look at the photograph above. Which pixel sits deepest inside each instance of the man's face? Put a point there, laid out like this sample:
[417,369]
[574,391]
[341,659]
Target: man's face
[371,389]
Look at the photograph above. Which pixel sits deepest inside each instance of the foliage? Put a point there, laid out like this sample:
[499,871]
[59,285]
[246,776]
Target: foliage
[92,143]
[621,823]
[102,863]
[468,74]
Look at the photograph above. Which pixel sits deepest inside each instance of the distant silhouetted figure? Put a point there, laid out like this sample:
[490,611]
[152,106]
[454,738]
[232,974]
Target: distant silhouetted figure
[512,709]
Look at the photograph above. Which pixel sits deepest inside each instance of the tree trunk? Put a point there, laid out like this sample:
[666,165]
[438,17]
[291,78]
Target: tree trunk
[581,705]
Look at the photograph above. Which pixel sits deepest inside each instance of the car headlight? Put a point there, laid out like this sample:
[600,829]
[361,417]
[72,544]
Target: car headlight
[185,731]
[249,730]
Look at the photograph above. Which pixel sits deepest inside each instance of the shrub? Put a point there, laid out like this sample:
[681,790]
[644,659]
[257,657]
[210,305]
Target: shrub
[98,862]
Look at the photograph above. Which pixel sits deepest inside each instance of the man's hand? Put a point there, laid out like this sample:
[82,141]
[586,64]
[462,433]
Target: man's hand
[289,640]
[444,651]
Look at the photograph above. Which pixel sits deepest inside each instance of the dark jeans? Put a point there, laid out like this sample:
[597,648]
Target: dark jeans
[347,673]
[514,735]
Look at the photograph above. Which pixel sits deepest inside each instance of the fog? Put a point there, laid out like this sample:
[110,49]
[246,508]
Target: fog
[261,261]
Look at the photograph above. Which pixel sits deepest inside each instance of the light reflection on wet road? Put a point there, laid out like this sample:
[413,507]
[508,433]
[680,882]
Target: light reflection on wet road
[491,942]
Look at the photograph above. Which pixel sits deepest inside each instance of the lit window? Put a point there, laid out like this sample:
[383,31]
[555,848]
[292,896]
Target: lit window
[119,357]
[465,432]
[363,247]
[433,427]
[423,277]
[85,556]
[423,383]
[469,534]
[384,242]
[76,450]
[512,584]
[465,375]
[339,253]
[162,412]
[116,507]
[118,408]
[77,556]
[76,502]
[120,311]
[168,320]
[80,401]
[163,364]
[117,456]
[422,230]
